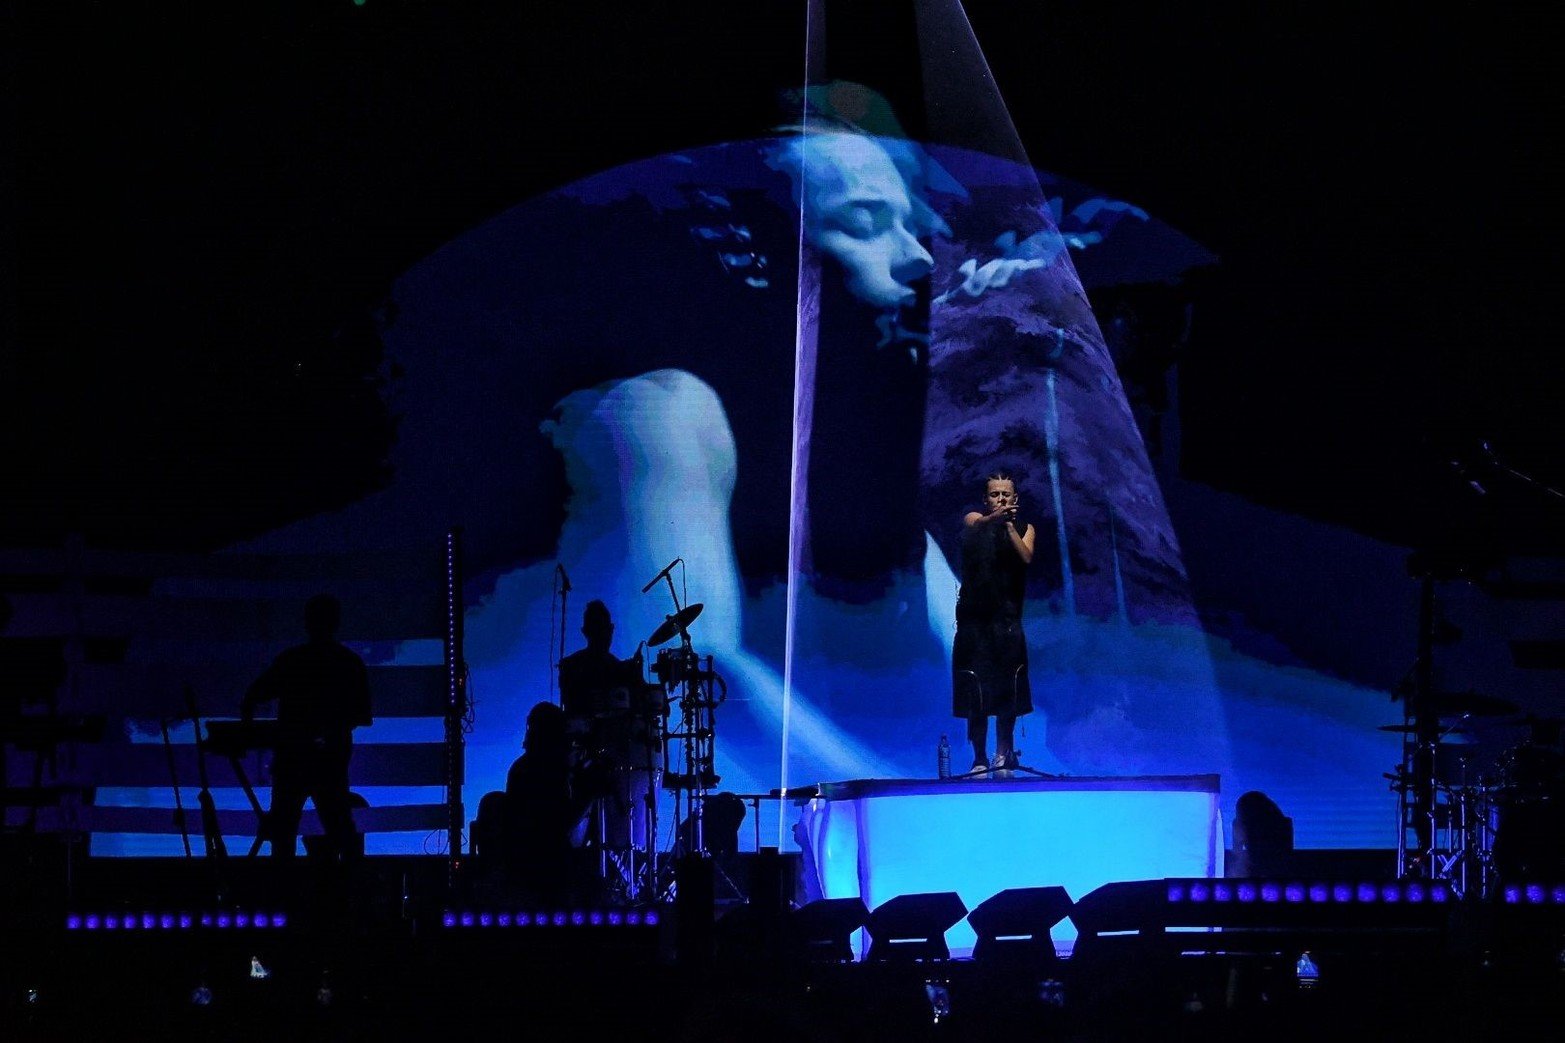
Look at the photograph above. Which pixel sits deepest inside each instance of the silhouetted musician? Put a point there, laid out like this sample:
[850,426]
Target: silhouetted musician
[607,716]
[322,693]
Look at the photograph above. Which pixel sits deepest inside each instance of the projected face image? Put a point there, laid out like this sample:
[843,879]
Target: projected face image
[859,209]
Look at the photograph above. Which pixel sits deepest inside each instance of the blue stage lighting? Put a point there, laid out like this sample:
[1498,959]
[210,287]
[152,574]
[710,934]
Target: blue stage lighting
[1368,892]
[1390,893]
[1293,893]
[1223,892]
[1319,893]
[73,922]
[1271,892]
[448,919]
[1247,892]
[1202,892]
[467,919]
[1176,892]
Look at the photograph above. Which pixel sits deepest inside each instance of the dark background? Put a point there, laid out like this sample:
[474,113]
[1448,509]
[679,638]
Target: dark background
[203,205]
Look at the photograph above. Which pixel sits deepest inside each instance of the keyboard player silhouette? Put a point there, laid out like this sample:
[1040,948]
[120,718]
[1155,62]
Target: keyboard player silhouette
[321,689]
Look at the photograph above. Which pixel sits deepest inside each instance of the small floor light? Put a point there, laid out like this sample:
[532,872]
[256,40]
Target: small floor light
[257,970]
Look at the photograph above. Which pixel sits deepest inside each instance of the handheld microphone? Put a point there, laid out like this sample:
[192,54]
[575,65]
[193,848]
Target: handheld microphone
[565,578]
[666,570]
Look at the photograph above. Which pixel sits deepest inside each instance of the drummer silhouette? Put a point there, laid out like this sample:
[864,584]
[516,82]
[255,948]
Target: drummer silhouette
[604,703]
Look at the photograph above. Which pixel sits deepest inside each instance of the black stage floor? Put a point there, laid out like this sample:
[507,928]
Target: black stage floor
[397,962]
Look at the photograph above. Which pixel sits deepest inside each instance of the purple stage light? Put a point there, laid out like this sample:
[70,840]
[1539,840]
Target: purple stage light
[1293,893]
[279,919]
[93,921]
[486,919]
[1368,892]
[559,919]
[448,919]
[1176,892]
[1415,892]
[540,919]
[1271,892]
[466,919]
[131,922]
[224,921]
[1390,893]
[633,918]
[595,918]
[652,918]
[186,921]
[1319,893]
[241,919]
[73,922]
[616,918]
[1557,896]
[524,919]
[1246,892]
[1535,894]
[148,921]
[578,918]
[1223,892]
[504,919]
[1341,893]
[263,920]
[1200,892]
[206,919]
[1439,892]
[1512,894]
[166,921]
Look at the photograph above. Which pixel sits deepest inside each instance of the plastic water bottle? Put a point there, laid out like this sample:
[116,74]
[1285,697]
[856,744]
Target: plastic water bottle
[943,758]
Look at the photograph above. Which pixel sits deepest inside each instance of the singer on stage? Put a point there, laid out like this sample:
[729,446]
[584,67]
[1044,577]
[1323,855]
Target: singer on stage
[989,660]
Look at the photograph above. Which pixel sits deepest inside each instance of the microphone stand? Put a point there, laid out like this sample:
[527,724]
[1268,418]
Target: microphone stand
[562,585]
[1528,480]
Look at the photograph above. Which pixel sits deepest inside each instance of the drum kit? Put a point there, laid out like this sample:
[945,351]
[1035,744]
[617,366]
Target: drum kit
[655,734]
[1480,820]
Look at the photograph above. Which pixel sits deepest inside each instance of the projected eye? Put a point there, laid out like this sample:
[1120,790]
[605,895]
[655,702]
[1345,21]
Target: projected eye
[863,220]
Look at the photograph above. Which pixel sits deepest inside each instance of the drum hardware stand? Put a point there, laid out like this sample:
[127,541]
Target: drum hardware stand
[689,679]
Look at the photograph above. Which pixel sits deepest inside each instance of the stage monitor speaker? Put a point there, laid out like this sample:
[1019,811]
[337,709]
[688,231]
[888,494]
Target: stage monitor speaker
[1014,924]
[913,927]
[822,932]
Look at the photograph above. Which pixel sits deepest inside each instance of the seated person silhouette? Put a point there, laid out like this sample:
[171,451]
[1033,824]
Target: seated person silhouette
[322,693]
[1262,838]
[526,831]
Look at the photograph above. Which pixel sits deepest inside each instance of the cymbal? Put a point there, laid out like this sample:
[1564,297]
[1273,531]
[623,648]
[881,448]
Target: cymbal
[675,623]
